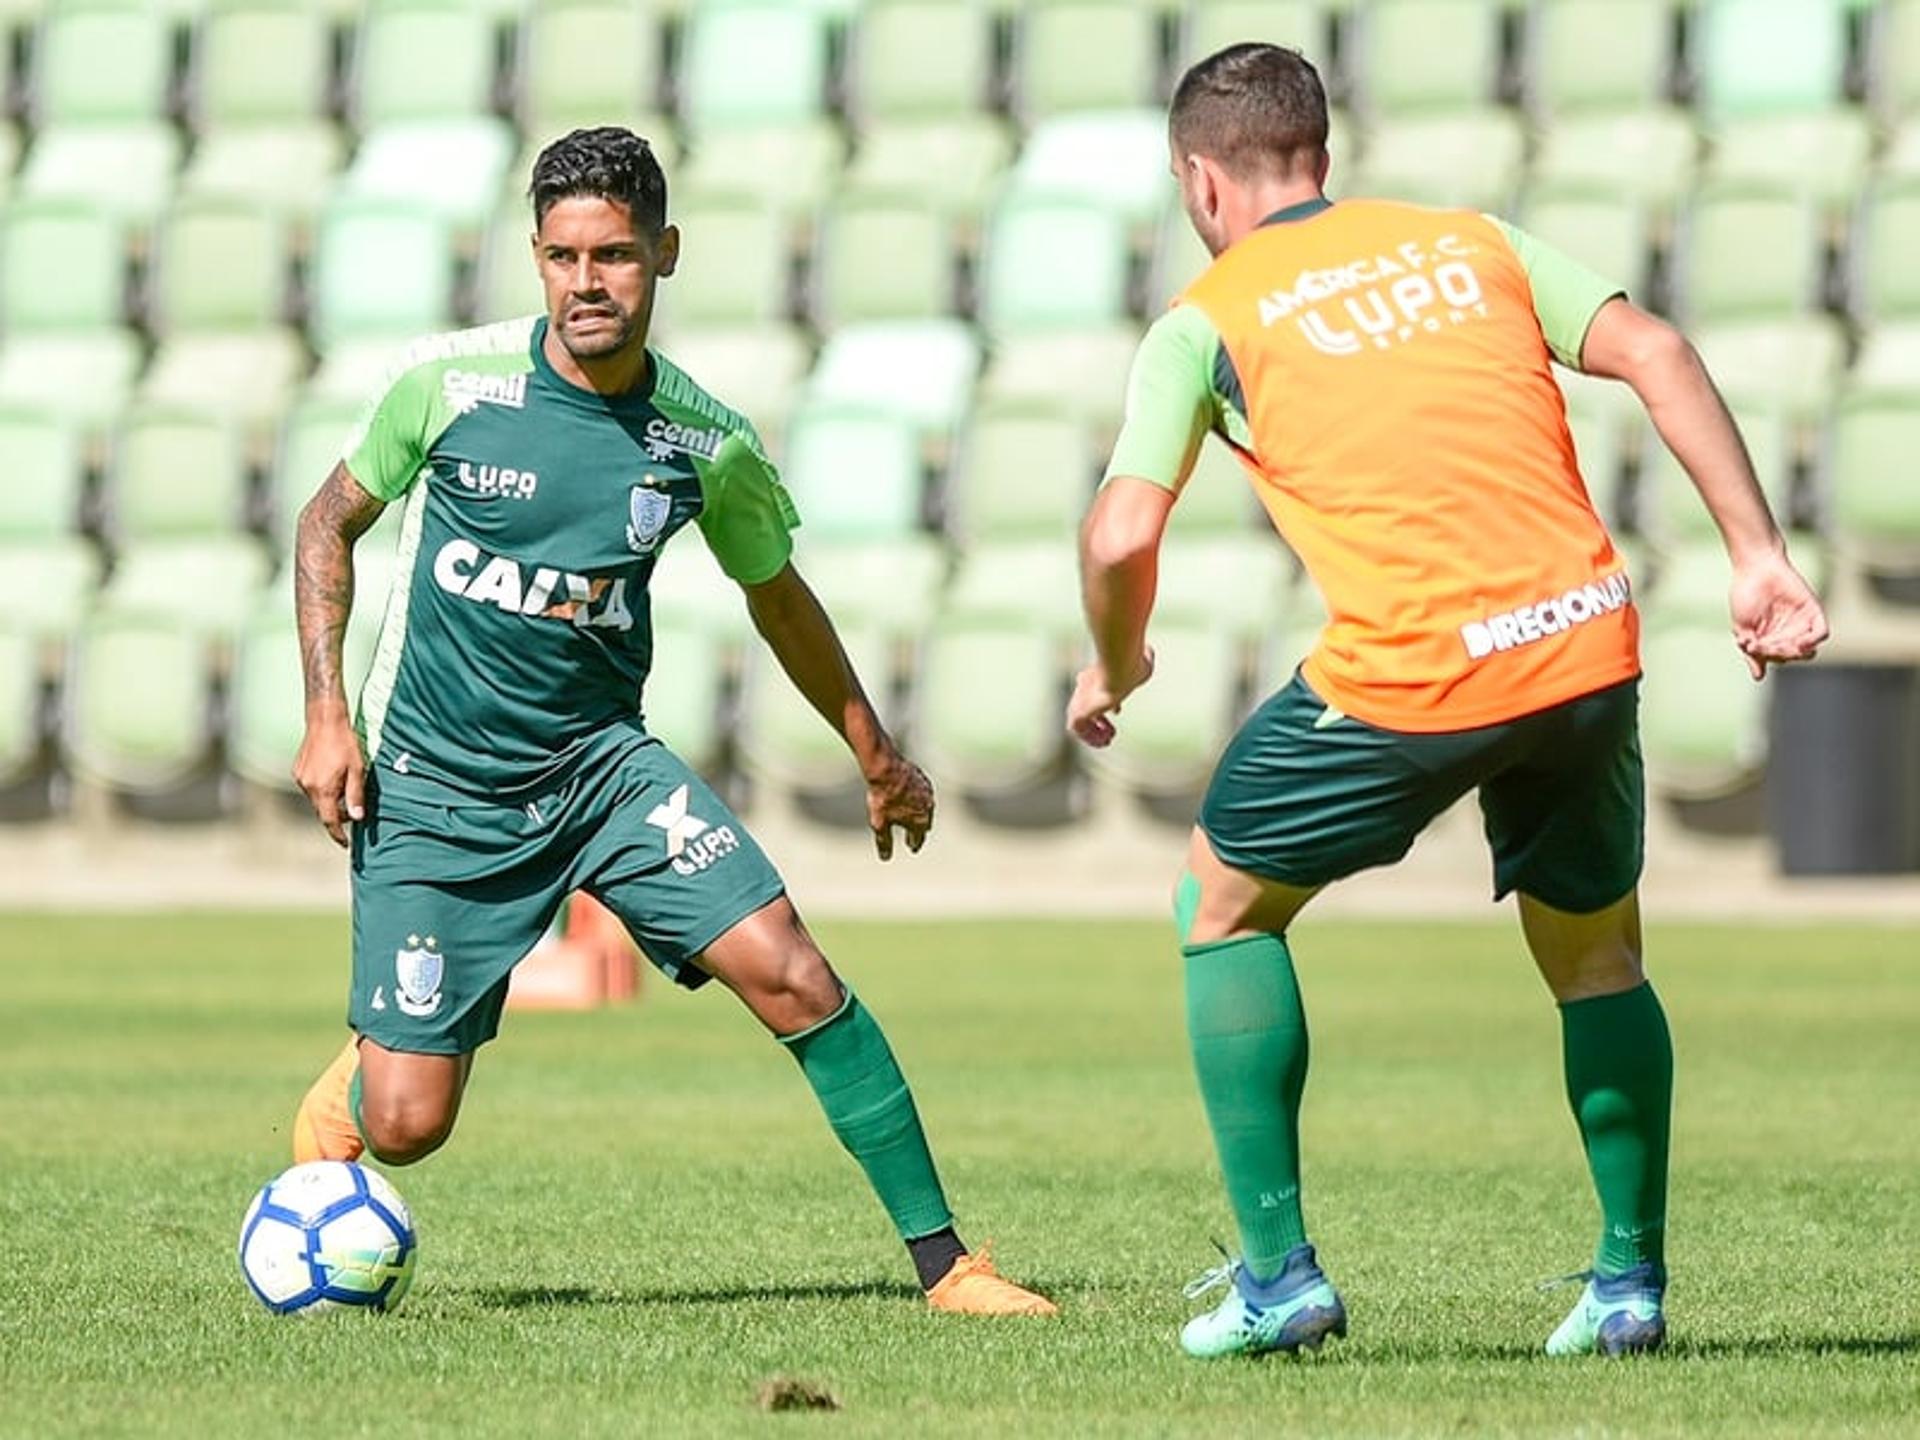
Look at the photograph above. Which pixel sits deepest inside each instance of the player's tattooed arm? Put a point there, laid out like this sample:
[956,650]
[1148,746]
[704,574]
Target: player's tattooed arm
[329,767]
[790,618]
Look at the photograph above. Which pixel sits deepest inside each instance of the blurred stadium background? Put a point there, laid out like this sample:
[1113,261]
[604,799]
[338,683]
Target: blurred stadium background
[922,237]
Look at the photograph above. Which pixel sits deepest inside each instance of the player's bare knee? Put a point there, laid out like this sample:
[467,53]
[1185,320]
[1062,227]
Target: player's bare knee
[804,988]
[401,1133]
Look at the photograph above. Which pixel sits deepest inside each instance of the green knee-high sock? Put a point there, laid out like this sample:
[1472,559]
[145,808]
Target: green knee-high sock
[1620,1083]
[1249,1037]
[852,1070]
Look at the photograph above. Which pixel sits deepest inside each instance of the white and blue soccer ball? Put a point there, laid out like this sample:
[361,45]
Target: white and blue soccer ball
[328,1235]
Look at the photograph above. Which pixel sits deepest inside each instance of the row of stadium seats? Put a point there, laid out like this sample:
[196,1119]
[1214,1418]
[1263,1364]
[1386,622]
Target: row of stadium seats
[152,701]
[722,63]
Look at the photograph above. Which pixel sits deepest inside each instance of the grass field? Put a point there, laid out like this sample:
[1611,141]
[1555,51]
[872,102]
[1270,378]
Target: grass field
[643,1217]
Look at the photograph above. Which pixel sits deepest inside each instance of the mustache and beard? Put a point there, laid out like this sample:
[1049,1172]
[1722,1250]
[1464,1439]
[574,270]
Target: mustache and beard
[594,329]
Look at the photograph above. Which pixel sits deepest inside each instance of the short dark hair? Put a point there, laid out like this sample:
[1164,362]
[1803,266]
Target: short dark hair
[609,162]
[1251,108]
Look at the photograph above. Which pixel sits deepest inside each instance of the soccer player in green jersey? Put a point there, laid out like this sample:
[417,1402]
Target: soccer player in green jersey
[498,759]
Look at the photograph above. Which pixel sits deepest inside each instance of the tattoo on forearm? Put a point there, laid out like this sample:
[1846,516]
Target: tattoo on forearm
[338,514]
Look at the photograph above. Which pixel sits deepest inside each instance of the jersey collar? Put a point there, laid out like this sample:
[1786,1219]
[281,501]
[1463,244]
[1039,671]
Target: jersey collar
[639,398]
[1305,210]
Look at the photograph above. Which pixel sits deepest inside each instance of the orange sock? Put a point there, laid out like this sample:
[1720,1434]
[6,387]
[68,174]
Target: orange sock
[324,1127]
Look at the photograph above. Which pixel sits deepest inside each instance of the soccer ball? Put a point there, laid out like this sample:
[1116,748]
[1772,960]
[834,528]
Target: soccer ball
[328,1235]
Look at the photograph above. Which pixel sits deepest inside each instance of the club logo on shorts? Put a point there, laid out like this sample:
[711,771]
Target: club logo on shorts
[692,844]
[647,512]
[417,971]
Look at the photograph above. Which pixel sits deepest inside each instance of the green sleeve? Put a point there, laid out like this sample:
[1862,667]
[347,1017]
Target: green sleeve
[1566,294]
[388,451]
[1171,399]
[746,514]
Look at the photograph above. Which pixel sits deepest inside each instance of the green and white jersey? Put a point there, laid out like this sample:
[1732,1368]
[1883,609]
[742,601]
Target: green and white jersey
[518,628]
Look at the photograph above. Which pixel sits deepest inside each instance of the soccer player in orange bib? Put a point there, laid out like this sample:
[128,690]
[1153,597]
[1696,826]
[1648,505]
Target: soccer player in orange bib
[1383,372]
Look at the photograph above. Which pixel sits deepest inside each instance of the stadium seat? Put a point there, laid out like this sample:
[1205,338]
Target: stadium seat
[217,264]
[289,168]
[689,591]
[1052,264]
[175,473]
[81,377]
[390,83]
[1823,154]
[1210,25]
[1755,57]
[1084,55]
[682,700]
[1597,446]
[1598,55]
[506,279]
[1790,364]
[208,584]
[1875,483]
[68,161]
[1471,156]
[1603,230]
[1885,282]
[1649,155]
[1116,159]
[45,472]
[20,738]
[1671,511]
[1894,73]
[1414,55]
[9,156]
[102,63]
[735,266]
[793,167]
[783,740]
[453,167]
[953,167]
[987,713]
[1235,582]
[260,62]
[1179,257]
[1889,359]
[912,59]
[311,442]
[1745,252]
[854,472]
[920,370]
[882,258]
[1022,471]
[1217,499]
[137,703]
[379,270]
[890,586]
[246,376]
[1084,370]
[1702,718]
[756,369]
[752,63]
[62,266]
[1173,729]
[589,62]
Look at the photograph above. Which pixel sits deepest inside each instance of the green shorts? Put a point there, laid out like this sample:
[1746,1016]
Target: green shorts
[1305,795]
[447,899]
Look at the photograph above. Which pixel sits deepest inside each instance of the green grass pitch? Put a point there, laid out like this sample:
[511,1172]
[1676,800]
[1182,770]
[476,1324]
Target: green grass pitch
[643,1218]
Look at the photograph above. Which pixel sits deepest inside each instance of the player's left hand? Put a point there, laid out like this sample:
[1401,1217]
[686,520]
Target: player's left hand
[899,794]
[1096,699]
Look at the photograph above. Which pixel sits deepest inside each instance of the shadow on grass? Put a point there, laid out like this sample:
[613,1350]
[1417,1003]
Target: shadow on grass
[558,1297]
[1767,1347]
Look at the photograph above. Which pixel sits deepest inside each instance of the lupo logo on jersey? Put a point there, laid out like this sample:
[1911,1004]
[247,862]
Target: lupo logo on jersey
[1397,297]
[692,844]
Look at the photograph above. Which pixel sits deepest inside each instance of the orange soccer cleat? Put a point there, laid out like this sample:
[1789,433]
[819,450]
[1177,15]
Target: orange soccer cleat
[974,1287]
[323,1127]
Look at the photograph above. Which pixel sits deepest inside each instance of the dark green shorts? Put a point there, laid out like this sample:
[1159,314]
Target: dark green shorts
[447,899]
[1305,795]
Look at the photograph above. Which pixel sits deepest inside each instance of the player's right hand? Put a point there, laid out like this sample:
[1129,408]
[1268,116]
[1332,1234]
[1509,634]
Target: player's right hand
[1776,616]
[1096,700]
[330,770]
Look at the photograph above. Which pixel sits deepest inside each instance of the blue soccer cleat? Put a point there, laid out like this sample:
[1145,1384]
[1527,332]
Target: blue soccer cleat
[1615,1315]
[1295,1310]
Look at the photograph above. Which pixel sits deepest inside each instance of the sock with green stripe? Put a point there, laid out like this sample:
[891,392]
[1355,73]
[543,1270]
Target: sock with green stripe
[1619,1059]
[852,1070]
[1249,1038]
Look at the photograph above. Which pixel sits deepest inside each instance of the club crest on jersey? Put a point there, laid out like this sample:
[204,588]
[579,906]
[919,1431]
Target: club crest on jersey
[647,512]
[417,972]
